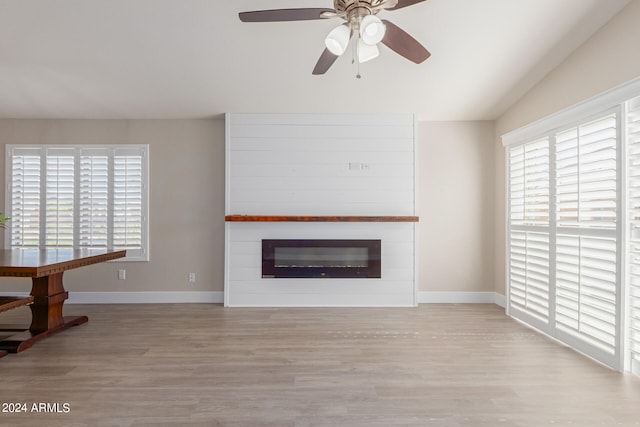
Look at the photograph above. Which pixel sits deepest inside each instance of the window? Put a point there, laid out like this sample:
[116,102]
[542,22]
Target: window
[564,229]
[563,235]
[78,197]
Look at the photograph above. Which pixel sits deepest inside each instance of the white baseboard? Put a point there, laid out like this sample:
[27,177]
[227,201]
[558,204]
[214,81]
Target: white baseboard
[144,297]
[217,297]
[460,298]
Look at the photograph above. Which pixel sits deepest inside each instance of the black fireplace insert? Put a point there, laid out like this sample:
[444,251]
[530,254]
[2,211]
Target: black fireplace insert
[308,258]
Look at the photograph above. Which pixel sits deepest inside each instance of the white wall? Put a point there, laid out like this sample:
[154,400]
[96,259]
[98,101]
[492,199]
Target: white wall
[320,165]
[607,59]
[305,164]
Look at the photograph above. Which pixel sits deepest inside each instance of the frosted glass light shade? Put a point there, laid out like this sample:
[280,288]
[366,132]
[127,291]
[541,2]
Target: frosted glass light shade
[367,52]
[338,39]
[372,30]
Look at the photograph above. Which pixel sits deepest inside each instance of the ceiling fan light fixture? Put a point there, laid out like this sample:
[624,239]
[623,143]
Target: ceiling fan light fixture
[359,20]
[372,30]
[338,39]
[367,52]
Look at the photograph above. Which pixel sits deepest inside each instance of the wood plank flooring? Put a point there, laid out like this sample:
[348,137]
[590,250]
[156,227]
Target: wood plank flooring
[205,365]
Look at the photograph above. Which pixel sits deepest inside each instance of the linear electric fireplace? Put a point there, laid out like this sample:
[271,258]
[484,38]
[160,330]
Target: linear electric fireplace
[321,258]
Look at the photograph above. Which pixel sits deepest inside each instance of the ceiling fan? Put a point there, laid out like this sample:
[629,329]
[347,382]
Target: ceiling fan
[360,19]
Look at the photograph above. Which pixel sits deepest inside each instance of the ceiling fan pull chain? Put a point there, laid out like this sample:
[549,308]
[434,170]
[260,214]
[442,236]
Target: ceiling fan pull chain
[354,58]
[354,53]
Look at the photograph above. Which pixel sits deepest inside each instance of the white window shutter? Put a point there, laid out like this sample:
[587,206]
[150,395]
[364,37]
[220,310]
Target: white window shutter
[516,185]
[59,200]
[536,159]
[586,290]
[586,269]
[128,198]
[529,229]
[79,196]
[563,268]
[633,189]
[529,184]
[94,199]
[25,197]
[529,273]
[586,174]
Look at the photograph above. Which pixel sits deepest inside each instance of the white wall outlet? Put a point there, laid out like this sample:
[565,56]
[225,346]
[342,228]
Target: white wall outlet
[192,277]
[122,274]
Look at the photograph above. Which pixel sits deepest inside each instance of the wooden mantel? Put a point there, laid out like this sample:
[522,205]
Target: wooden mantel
[294,218]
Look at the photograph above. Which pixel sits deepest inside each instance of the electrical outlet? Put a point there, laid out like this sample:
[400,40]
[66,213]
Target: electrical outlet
[122,274]
[192,277]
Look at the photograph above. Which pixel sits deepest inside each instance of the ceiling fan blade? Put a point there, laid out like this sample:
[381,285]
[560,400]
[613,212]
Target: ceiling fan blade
[398,40]
[325,62]
[399,4]
[276,15]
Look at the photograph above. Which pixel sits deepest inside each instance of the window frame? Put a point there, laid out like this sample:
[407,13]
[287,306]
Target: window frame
[111,151]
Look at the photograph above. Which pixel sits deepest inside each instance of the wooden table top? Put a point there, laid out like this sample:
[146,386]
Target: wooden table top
[39,263]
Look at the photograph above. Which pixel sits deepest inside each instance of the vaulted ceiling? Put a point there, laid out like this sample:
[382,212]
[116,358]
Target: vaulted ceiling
[194,58]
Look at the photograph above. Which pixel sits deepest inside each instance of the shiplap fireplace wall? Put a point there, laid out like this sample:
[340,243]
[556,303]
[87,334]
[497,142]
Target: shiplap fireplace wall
[302,176]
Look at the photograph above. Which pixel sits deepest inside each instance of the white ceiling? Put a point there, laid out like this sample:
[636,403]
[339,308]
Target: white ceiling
[194,58]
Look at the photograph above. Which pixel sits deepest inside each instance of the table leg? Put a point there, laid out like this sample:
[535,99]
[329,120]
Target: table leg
[46,314]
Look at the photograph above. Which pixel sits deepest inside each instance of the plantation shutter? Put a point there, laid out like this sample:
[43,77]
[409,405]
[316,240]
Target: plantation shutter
[529,231]
[529,290]
[563,269]
[79,196]
[586,175]
[594,232]
[633,186]
[25,198]
[586,285]
[94,199]
[128,200]
[586,291]
[59,200]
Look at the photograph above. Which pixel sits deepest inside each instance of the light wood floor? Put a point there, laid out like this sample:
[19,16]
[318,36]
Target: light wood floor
[187,365]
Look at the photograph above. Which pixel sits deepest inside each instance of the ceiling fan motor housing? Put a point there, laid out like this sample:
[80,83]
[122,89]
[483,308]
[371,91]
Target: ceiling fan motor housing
[354,10]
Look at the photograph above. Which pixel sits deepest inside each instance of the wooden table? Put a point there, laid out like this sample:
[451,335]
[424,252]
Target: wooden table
[45,267]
